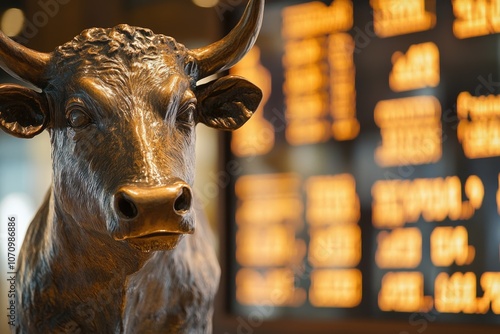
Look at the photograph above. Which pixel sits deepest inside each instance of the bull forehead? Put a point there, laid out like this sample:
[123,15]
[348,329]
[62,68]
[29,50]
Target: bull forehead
[129,63]
[136,90]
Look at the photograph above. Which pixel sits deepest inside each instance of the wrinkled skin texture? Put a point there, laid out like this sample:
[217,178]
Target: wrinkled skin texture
[119,244]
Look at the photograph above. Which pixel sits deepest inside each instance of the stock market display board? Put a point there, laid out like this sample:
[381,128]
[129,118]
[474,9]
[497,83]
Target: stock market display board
[367,184]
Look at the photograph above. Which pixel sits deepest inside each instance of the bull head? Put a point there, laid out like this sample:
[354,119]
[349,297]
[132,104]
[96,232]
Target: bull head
[120,106]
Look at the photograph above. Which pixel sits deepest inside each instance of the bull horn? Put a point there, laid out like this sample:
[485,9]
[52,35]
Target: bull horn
[225,53]
[23,63]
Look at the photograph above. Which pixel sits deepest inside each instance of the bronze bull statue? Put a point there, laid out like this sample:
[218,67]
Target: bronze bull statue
[113,248]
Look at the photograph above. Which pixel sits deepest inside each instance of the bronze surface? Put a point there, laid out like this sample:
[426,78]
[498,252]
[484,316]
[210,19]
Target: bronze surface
[120,244]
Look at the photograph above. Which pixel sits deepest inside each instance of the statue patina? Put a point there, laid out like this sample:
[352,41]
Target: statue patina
[119,244]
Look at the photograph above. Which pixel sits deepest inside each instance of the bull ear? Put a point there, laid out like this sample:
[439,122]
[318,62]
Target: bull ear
[227,103]
[23,112]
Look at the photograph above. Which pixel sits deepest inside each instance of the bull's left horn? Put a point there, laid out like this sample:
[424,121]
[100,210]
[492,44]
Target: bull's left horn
[225,53]
[22,62]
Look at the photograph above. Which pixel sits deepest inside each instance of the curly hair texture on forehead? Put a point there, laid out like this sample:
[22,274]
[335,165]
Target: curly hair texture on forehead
[121,45]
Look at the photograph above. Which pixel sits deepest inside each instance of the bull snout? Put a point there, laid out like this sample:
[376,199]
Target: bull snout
[153,211]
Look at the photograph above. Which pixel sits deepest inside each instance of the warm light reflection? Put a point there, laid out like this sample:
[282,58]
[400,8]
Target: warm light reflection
[456,293]
[335,288]
[304,51]
[306,103]
[479,127]
[450,245]
[206,3]
[403,292]
[265,211]
[307,79]
[332,200]
[418,68]
[320,97]
[335,246]
[410,129]
[268,215]
[319,71]
[400,248]
[12,22]
[316,105]
[396,202]
[474,190]
[257,136]
[307,131]
[316,18]
[268,185]
[264,246]
[269,199]
[397,17]
[476,17]
[490,282]
[275,287]
[342,87]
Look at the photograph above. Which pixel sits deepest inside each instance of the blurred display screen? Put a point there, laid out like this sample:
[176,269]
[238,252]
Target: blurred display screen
[367,184]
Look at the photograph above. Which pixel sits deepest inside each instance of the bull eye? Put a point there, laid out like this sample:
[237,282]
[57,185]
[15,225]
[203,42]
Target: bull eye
[77,118]
[185,116]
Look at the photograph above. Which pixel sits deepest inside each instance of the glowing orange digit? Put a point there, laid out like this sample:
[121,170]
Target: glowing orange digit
[319,87]
[396,202]
[410,129]
[402,292]
[476,17]
[449,245]
[274,287]
[400,248]
[456,293]
[418,68]
[336,288]
[490,282]
[393,18]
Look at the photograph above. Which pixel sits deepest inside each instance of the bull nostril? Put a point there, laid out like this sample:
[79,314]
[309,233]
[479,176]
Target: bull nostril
[126,207]
[183,203]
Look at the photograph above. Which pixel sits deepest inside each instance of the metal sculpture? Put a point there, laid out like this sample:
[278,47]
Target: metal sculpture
[113,248]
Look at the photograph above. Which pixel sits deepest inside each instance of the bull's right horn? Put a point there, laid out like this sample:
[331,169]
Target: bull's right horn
[22,62]
[225,53]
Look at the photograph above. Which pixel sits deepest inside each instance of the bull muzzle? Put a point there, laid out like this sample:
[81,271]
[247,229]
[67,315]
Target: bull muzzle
[154,214]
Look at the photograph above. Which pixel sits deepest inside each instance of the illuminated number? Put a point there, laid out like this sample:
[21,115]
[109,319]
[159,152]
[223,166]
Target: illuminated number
[450,244]
[402,292]
[475,18]
[410,129]
[418,68]
[456,293]
[393,18]
[335,288]
[265,246]
[401,248]
[319,87]
[479,128]
[274,287]
[474,190]
[396,202]
[335,246]
[342,87]
[332,200]
[490,282]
